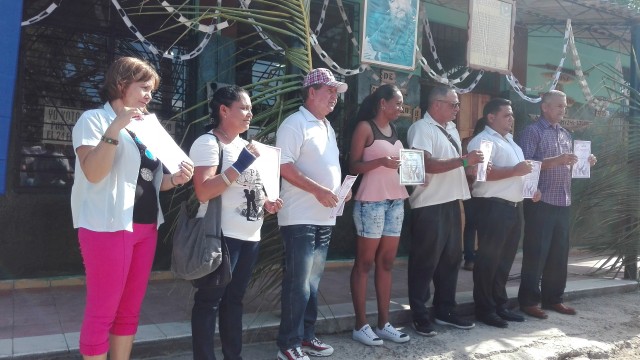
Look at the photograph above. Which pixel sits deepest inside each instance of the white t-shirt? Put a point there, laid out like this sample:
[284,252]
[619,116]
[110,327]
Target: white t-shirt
[107,205]
[243,201]
[505,152]
[310,144]
[438,188]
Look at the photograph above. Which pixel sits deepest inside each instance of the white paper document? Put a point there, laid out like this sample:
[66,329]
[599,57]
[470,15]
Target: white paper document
[268,166]
[342,194]
[486,147]
[531,180]
[581,169]
[154,136]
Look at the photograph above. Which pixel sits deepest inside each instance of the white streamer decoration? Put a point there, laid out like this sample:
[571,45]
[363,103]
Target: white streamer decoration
[436,58]
[167,54]
[569,42]
[592,101]
[443,79]
[43,14]
[191,23]
[520,90]
[245,5]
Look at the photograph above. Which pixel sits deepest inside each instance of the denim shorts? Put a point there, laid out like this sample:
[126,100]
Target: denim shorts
[375,219]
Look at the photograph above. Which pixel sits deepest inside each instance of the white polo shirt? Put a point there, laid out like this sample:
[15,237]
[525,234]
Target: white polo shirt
[309,144]
[107,205]
[505,153]
[444,187]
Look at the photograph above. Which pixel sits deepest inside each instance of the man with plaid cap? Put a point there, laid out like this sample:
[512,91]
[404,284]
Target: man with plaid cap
[310,179]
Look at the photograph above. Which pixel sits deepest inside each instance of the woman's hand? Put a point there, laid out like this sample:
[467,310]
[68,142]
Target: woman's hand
[125,116]
[273,207]
[183,175]
[391,162]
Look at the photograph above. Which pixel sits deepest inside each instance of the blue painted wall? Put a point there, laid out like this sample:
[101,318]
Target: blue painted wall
[10,19]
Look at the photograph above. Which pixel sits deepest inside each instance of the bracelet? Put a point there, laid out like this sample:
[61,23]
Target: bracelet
[465,163]
[109,140]
[225,179]
[173,183]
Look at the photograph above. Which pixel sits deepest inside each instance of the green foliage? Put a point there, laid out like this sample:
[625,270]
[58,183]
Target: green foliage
[607,216]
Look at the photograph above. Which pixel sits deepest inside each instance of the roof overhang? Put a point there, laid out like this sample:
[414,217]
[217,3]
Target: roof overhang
[602,23]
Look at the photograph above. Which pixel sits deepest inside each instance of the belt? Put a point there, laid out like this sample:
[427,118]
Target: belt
[505,202]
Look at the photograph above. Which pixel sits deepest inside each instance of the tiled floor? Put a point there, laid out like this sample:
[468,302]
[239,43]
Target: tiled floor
[49,318]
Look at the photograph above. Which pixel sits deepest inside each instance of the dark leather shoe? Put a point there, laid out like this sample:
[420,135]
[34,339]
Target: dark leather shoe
[509,315]
[534,311]
[493,320]
[561,308]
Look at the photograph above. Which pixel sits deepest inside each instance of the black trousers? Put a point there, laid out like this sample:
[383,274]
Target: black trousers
[499,233]
[435,255]
[545,253]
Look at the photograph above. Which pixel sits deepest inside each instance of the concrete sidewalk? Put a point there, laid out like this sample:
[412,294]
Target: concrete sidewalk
[40,319]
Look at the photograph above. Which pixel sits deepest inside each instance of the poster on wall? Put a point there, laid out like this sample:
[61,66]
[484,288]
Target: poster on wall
[389,33]
[490,45]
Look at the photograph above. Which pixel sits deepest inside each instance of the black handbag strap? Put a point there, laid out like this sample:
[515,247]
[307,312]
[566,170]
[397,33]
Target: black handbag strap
[214,207]
[450,138]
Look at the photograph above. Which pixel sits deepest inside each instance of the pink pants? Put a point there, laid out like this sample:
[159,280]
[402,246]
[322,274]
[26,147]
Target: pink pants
[117,266]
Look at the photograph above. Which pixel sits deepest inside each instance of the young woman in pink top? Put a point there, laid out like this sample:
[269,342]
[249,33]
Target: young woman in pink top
[378,209]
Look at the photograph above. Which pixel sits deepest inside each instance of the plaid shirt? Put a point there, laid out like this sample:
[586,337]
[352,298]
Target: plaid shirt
[540,141]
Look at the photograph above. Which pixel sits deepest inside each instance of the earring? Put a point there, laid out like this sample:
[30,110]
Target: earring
[384,107]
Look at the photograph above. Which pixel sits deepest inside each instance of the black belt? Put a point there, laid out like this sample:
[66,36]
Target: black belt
[503,201]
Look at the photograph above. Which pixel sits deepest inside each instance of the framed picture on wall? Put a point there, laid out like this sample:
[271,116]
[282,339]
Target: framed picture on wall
[389,33]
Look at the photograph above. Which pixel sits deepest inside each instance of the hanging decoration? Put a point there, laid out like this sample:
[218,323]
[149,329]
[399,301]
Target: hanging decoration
[191,23]
[521,90]
[434,54]
[43,14]
[592,101]
[245,5]
[208,30]
[166,54]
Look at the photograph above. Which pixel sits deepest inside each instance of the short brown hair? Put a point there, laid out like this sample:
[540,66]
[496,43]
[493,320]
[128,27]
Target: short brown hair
[124,72]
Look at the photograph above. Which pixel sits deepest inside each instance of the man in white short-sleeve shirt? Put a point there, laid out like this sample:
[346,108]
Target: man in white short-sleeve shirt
[310,170]
[436,217]
[499,223]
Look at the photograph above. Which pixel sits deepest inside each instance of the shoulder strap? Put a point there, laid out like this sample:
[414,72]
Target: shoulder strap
[212,219]
[449,137]
[219,153]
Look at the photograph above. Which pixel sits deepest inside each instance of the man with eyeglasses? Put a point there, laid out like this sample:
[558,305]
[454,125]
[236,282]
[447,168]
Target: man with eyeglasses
[436,234]
[545,247]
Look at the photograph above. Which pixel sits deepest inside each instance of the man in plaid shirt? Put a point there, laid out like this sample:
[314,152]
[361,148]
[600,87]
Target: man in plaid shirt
[546,230]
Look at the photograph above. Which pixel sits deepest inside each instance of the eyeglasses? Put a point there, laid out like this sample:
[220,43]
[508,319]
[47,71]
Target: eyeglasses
[455,105]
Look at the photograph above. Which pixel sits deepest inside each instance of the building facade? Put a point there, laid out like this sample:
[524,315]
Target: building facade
[53,68]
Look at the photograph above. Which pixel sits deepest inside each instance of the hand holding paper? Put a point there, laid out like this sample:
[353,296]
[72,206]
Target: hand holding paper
[342,195]
[154,136]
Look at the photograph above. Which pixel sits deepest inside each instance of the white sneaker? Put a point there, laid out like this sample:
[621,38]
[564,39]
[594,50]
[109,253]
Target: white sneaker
[292,354]
[388,332]
[366,336]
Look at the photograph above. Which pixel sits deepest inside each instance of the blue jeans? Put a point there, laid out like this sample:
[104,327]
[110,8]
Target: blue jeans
[225,301]
[305,253]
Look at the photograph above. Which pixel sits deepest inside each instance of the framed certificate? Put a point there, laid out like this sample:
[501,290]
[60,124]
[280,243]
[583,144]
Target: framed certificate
[411,167]
[389,33]
[490,45]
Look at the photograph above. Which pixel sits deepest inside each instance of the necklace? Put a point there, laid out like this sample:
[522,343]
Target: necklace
[224,134]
